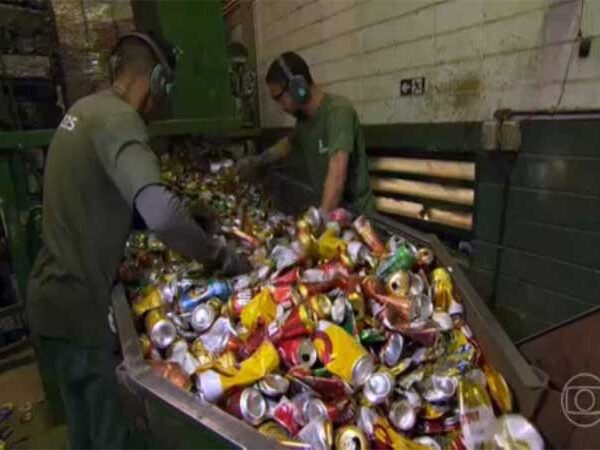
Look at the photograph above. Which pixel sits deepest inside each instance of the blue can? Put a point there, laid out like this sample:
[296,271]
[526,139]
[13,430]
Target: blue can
[216,288]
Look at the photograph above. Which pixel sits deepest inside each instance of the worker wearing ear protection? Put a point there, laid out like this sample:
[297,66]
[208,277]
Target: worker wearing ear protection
[100,170]
[327,134]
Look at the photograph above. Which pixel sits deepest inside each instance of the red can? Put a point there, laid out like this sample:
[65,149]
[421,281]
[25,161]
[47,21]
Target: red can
[299,351]
[286,414]
[334,269]
[285,295]
[287,278]
[256,338]
[247,404]
[238,301]
[299,323]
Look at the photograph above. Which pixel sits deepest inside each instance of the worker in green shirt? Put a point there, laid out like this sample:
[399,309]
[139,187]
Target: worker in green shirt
[327,133]
[99,171]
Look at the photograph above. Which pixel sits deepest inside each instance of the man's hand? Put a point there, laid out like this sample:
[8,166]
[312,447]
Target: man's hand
[234,264]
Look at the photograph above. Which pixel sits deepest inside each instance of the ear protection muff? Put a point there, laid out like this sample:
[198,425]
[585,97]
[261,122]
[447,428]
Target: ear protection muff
[162,76]
[297,87]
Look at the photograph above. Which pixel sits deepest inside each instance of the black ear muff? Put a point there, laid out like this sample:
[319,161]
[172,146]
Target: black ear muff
[298,87]
[162,77]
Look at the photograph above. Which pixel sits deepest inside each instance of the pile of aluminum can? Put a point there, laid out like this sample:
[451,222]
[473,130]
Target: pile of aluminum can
[338,337]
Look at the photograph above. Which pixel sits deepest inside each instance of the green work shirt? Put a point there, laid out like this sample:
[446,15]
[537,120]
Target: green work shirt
[97,162]
[335,127]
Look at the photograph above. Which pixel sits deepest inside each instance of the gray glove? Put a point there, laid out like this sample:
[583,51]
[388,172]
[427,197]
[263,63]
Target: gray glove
[248,167]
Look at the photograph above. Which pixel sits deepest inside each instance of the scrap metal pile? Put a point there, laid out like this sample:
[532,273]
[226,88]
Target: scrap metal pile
[336,339]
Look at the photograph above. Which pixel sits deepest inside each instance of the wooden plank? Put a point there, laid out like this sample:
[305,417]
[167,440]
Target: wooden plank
[561,137]
[557,276]
[565,174]
[554,208]
[422,189]
[418,211]
[577,247]
[537,301]
[429,167]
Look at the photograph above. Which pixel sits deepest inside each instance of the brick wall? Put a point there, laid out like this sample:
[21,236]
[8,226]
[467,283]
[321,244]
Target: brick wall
[477,55]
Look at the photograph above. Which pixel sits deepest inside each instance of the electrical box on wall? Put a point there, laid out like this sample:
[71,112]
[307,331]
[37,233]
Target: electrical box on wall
[412,86]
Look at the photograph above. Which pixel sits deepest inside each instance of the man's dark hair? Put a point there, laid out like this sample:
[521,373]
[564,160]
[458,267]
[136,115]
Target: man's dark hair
[296,65]
[135,55]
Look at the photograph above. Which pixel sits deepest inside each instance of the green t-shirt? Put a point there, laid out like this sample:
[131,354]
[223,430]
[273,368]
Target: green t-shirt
[335,127]
[97,162]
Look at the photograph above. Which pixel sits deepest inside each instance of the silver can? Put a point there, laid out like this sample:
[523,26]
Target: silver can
[365,419]
[417,285]
[253,406]
[402,415]
[273,385]
[428,442]
[443,320]
[202,317]
[338,309]
[362,369]
[391,351]
[314,407]
[438,388]
[318,434]
[379,387]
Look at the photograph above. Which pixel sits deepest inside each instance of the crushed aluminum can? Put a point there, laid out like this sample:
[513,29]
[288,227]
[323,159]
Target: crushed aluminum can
[378,387]
[357,304]
[364,228]
[160,329]
[438,388]
[273,385]
[203,316]
[399,283]
[286,413]
[314,407]
[298,351]
[284,257]
[417,285]
[315,276]
[351,438]
[247,404]
[423,305]
[365,420]
[427,442]
[512,429]
[216,338]
[393,242]
[391,351]
[402,415]
[443,320]
[314,218]
[425,256]
[238,301]
[220,289]
[338,309]
[321,305]
[318,433]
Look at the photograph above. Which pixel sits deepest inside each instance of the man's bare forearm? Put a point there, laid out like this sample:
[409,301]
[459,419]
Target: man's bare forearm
[281,150]
[335,181]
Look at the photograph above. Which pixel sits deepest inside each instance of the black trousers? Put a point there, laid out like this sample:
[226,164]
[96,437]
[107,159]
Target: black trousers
[87,385]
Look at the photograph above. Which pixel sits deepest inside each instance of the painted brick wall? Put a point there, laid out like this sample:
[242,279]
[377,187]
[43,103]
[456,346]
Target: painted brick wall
[477,55]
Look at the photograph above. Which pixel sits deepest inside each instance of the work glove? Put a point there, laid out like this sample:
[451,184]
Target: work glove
[205,217]
[233,263]
[247,168]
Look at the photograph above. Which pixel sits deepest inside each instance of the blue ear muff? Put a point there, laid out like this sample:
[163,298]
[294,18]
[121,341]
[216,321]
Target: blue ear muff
[298,87]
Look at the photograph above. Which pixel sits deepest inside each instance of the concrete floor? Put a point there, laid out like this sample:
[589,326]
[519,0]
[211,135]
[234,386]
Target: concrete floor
[22,385]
